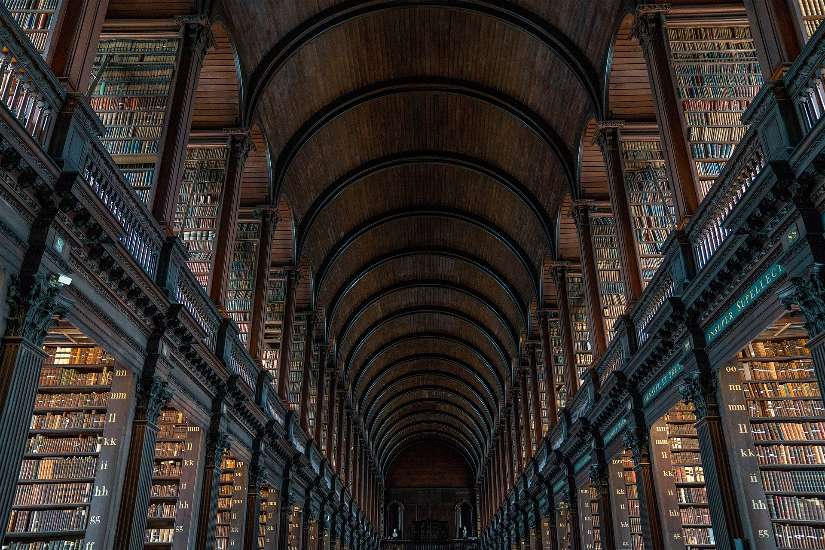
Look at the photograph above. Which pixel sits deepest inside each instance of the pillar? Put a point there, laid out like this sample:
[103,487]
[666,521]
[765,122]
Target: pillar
[284,508]
[776,35]
[286,334]
[321,397]
[517,436]
[216,443]
[253,497]
[151,396]
[548,370]
[699,388]
[269,219]
[526,413]
[808,293]
[636,439]
[195,40]
[600,482]
[74,42]
[581,215]
[610,144]
[559,274]
[228,216]
[649,27]
[307,373]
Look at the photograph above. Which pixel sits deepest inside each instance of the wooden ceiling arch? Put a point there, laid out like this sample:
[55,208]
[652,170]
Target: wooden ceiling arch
[434,341]
[427,406]
[340,14]
[402,441]
[445,398]
[479,330]
[418,420]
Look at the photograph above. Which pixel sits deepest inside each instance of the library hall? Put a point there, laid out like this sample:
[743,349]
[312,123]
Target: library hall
[412,275]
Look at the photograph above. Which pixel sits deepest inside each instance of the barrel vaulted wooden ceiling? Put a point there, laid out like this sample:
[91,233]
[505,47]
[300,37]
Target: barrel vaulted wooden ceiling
[425,149]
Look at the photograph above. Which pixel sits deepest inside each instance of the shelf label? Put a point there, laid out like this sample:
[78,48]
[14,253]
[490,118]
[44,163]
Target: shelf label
[660,384]
[770,276]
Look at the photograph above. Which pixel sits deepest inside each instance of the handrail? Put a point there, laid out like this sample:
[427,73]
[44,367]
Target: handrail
[28,88]
[706,230]
[192,297]
[805,81]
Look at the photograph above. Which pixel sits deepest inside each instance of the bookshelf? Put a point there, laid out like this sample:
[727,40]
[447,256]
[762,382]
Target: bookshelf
[546,533]
[624,501]
[312,394]
[196,211]
[608,267]
[273,322]
[559,359]
[241,278]
[580,323]
[68,472]
[772,398]
[312,533]
[131,78]
[680,486]
[36,18]
[268,519]
[231,498]
[589,519]
[810,13]
[649,198]
[295,527]
[177,452]
[717,74]
[296,363]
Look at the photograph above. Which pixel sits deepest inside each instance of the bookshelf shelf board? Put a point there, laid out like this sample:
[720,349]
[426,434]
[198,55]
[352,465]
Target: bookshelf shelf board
[56,480]
[72,389]
[49,506]
[693,504]
[789,442]
[87,408]
[60,455]
[67,431]
[784,398]
[45,535]
[792,466]
[807,522]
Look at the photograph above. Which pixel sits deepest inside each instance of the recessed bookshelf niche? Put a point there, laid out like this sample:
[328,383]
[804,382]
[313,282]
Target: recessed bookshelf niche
[68,478]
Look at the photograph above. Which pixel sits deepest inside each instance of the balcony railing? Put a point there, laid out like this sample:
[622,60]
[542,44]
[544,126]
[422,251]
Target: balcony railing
[457,544]
[28,89]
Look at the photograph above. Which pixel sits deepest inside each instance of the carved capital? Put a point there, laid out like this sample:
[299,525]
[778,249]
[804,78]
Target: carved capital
[598,476]
[809,294]
[700,390]
[581,213]
[636,441]
[197,32]
[649,22]
[240,144]
[607,135]
[216,443]
[152,396]
[32,307]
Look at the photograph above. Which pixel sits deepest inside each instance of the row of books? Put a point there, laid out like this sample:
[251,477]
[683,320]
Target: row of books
[802,481]
[795,508]
[142,147]
[168,449]
[67,400]
[52,493]
[791,454]
[159,535]
[166,468]
[143,108]
[162,510]
[695,516]
[789,430]
[790,408]
[692,495]
[44,445]
[130,135]
[76,356]
[766,390]
[164,490]
[47,521]
[777,370]
[45,545]
[67,421]
[58,468]
[799,536]
[52,376]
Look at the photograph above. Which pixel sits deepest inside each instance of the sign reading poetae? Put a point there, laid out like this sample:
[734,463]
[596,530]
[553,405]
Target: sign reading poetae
[770,276]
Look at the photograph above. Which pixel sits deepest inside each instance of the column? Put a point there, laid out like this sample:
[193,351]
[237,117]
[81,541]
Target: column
[307,373]
[507,454]
[550,392]
[581,215]
[609,141]
[516,437]
[331,408]
[323,528]
[525,412]
[559,275]
[699,388]
[320,398]
[636,439]
[216,443]
[152,395]
[776,35]
[548,370]
[599,481]
[269,220]
[228,215]
[552,536]
[306,516]
[74,42]
[195,39]
[284,509]
[286,334]
[343,440]
[253,500]
[32,301]
[649,27]
[808,292]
